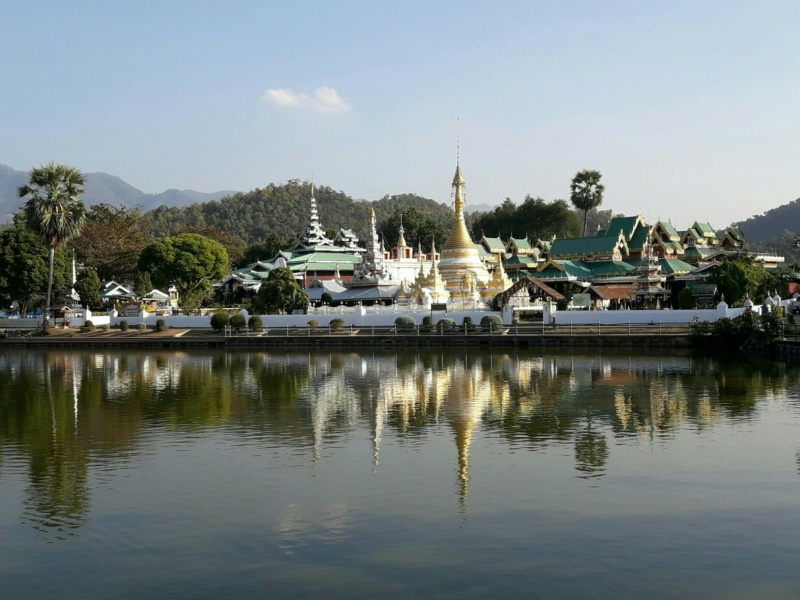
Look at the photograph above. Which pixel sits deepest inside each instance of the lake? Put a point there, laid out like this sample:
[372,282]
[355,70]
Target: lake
[420,473]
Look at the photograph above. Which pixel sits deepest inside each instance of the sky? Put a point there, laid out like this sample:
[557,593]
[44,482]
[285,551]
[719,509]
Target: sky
[690,110]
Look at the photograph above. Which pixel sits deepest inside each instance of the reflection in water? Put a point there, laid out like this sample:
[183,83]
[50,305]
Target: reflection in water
[68,413]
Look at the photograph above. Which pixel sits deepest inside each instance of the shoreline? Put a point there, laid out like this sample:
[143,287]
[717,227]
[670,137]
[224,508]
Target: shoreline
[640,337]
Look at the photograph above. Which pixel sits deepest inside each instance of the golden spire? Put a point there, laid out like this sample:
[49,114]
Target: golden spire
[402,240]
[459,238]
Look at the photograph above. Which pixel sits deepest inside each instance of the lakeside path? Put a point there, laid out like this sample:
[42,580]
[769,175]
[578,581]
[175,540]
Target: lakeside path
[513,335]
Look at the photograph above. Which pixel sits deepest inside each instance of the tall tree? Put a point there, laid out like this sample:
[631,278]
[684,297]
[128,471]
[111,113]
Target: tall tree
[190,261]
[88,287]
[112,240]
[23,267]
[53,210]
[586,192]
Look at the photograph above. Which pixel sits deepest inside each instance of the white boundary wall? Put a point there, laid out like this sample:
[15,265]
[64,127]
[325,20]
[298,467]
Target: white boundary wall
[642,317]
[357,317]
[385,317]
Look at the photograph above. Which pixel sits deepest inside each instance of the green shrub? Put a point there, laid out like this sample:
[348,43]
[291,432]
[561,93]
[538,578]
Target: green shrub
[255,322]
[326,298]
[468,324]
[491,323]
[105,327]
[161,325]
[142,327]
[686,299]
[446,324]
[337,324]
[219,320]
[123,326]
[237,321]
[427,323]
[405,323]
[89,326]
[313,324]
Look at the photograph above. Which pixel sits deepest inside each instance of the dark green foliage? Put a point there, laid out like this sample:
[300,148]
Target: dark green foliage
[445,324]
[87,327]
[685,299]
[491,323]
[87,285]
[105,327]
[420,227]
[237,321]
[326,298]
[234,246]
[535,219]
[263,250]
[731,334]
[255,322]
[427,323]
[219,320]
[161,325]
[405,323]
[143,283]
[313,324]
[336,324]
[190,261]
[740,276]
[24,267]
[123,326]
[280,293]
[142,327]
[468,324]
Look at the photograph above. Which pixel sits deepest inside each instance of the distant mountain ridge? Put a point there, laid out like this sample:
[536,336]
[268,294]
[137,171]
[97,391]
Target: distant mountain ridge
[103,188]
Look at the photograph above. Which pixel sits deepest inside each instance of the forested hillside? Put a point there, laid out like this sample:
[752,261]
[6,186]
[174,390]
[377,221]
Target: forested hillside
[773,223]
[282,211]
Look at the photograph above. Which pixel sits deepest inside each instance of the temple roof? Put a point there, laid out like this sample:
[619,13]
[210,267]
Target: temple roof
[587,246]
[671,266]
[495,245]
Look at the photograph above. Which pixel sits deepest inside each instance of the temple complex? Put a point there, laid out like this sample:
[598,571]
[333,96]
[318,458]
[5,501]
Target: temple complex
[629,263]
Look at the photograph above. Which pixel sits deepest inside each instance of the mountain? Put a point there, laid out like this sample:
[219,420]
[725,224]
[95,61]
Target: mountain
[773,223]
[102,188]
[482,207]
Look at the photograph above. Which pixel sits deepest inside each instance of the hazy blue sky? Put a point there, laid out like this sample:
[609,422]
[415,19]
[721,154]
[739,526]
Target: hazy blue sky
[691,110]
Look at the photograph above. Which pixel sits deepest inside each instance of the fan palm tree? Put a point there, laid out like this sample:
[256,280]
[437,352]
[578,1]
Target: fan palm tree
[586,193]
[53,210]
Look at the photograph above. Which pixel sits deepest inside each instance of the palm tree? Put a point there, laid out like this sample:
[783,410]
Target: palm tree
[53,210]
[586,193]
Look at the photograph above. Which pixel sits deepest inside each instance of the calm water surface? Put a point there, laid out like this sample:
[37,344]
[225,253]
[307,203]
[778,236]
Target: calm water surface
[442,474]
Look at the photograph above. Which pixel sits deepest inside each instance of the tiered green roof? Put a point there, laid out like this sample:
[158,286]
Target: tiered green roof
[495,245]
[610,268]
[627,225]
[588,246]
[562,269]
[673,266]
